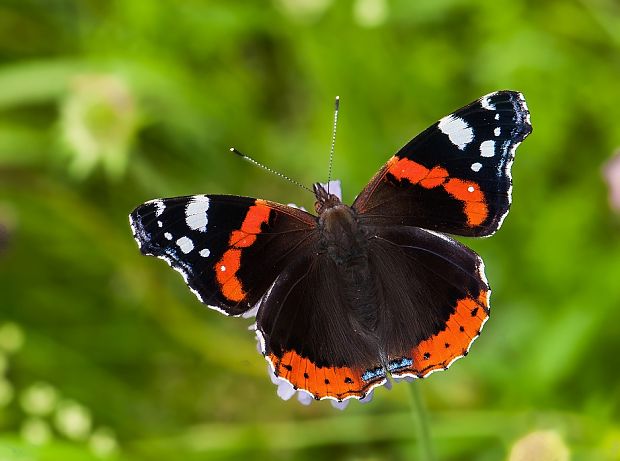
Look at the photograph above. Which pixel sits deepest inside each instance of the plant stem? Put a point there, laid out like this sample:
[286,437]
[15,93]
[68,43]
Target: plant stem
[421,422]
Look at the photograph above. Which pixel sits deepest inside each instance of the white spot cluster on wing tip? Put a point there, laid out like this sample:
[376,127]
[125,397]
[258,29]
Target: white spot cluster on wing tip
[508,171]
[524,108]
[486,103]
[196,213]
[487,148]
[457,130]
[160,206]
[185,244]
[476,167]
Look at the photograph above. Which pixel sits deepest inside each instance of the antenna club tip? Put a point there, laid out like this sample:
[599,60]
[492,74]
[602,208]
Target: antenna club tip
[337,102]
[235,151]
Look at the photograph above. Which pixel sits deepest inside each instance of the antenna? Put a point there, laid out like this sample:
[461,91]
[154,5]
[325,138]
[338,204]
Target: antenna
[277,173]
[331,151]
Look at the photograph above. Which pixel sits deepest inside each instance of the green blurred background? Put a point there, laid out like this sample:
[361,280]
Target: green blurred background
[105,354]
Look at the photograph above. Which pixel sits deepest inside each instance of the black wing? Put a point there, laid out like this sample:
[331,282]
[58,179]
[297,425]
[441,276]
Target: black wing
[228,249]
[455,176]
[310,337]
[435,298]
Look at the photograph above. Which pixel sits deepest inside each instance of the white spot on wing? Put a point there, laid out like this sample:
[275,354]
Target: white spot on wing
[168,236]
[486,103]
[185,244]
[497,131]
[223,268]
[496,116]
[205,253]
[487,149]
[160,224]
[457,130]
[196,213]
[160,207]
[471,189]
[476,167]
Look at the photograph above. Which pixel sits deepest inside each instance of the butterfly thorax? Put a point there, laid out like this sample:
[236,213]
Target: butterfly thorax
[341,236]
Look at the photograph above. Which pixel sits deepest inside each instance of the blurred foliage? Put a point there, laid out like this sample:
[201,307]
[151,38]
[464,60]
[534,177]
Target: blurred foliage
[105,354]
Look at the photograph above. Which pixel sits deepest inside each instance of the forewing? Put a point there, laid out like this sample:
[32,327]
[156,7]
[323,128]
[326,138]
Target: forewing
[455,176]
[228,249]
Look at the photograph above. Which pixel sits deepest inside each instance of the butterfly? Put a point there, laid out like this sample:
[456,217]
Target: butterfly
[355,294]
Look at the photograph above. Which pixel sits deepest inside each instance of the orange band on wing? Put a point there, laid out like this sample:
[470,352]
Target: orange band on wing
[468,192]
[440,350]
[335,382]
[435,177]
[257,216]
[402,168]
[230,262]
[225,272]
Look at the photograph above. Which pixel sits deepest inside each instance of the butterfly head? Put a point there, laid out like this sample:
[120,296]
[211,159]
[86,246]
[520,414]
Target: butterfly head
[324,200]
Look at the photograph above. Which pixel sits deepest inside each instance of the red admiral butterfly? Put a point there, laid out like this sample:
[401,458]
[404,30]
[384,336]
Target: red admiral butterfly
[358,292]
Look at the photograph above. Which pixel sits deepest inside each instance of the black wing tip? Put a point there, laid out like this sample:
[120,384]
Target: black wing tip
[141,234]
[522,113]
[138,232]
[520,106]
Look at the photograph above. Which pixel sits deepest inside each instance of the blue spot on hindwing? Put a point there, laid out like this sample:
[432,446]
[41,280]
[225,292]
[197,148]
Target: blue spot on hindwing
[400,363]
[373,373]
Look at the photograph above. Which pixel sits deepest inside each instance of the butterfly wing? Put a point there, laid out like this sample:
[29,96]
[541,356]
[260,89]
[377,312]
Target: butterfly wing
[435,298]
[310,337]
[432,300]
[228,249]
[455,176]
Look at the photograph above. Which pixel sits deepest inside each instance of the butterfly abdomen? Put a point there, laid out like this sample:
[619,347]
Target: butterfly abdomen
[346,244]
